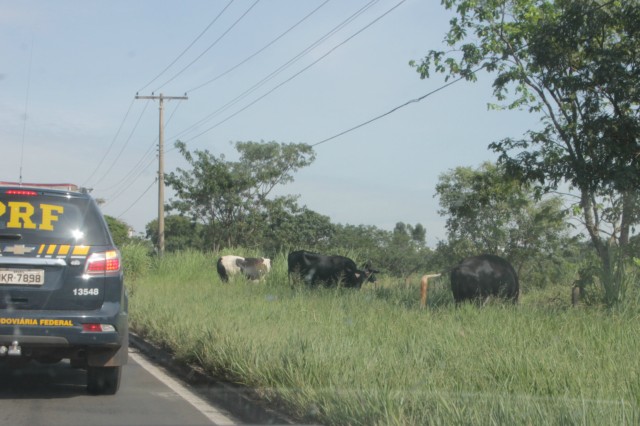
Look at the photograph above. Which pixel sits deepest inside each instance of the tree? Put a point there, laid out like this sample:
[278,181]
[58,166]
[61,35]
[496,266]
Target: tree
[119,230]
[574,62]
[400,252]
[406,252]
[489,212]
[231,198]
[482,207]
[291,227]
[180,233]
[363,243]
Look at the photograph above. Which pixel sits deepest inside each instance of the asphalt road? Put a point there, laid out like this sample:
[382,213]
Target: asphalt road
[56,395]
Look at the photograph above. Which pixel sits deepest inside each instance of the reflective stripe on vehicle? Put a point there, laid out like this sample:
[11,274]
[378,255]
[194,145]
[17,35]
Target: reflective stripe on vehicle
[62,250]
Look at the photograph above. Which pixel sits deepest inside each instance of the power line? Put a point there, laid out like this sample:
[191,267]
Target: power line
[131,177]
[210,116]
[262,49]
[298,73]
[280,69]
[128,179]
[188,47]
[125,188]
[392,110]
[416,100]
[208,48]
[85,184]
[463,77]
[138,199]
[115,160]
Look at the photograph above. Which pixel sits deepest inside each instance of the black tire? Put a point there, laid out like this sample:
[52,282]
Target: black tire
[103,380]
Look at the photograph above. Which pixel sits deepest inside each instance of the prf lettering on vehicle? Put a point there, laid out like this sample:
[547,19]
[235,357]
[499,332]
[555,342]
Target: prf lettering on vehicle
[20,215]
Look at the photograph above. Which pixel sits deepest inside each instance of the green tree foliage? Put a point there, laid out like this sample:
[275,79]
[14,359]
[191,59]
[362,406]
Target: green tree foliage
[482,207]
[406,252]
[180,233]
[359,238]
[398,253]
[119,230]
[291,227]
[223,204]
[573,62]
[489,212]
[231,198]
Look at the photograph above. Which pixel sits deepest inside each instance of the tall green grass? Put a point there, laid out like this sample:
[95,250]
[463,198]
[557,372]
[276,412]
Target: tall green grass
[373,357]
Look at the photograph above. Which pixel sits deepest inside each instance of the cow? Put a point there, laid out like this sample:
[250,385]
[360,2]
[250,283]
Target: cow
[316,268]
[478,278]
[253,268]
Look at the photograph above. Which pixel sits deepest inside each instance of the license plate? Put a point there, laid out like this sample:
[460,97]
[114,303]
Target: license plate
[21,276]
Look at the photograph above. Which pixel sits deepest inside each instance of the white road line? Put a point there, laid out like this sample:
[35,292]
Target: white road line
[200,404]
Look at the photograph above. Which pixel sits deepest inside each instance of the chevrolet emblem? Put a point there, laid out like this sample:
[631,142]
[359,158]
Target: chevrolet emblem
[19,249]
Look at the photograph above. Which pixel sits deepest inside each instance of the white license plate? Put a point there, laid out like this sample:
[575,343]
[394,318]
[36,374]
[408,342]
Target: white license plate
[21,276]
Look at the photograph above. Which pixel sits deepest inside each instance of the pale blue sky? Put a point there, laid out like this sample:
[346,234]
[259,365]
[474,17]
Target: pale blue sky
[75,66]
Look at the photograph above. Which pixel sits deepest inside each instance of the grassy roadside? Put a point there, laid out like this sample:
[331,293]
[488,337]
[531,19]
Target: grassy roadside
[373,357]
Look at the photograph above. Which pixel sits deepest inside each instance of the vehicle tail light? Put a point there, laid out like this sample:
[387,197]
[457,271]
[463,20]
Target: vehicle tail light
[102,263]
[97,328]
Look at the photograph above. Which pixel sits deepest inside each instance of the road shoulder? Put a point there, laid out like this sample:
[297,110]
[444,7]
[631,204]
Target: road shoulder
[240,402]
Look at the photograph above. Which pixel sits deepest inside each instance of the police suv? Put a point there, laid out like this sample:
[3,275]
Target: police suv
[62,293]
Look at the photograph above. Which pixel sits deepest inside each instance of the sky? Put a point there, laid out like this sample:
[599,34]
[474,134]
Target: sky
[289,71]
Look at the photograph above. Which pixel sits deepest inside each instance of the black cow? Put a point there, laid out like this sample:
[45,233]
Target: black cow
[481,277]
[251,267]
[316,268]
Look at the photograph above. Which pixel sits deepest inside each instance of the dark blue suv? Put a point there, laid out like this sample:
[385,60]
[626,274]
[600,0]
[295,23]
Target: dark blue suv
[62,293]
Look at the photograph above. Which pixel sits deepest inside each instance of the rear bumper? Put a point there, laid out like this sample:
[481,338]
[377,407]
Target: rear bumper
[58,329]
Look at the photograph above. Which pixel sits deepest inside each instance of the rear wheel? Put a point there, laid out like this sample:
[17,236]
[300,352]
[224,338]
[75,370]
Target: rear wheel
[103,380]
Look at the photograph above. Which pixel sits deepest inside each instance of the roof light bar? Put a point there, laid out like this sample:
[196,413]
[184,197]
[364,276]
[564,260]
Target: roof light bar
[63,186]
[21,192]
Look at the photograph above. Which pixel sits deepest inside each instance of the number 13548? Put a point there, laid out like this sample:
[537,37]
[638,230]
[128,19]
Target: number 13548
[86,292]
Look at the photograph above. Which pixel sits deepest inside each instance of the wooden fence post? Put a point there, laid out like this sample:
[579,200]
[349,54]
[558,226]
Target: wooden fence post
[424,289]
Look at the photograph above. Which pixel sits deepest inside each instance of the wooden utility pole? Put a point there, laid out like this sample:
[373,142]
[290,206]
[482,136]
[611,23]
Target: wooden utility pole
[161,98]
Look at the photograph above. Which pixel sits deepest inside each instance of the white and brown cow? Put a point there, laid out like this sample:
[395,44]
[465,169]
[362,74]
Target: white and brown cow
[253,268]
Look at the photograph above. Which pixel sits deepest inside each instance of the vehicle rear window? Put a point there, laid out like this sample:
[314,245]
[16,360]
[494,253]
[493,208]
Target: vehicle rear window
[51,219]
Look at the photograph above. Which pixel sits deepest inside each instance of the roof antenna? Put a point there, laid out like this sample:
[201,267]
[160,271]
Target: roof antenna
[26,104]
